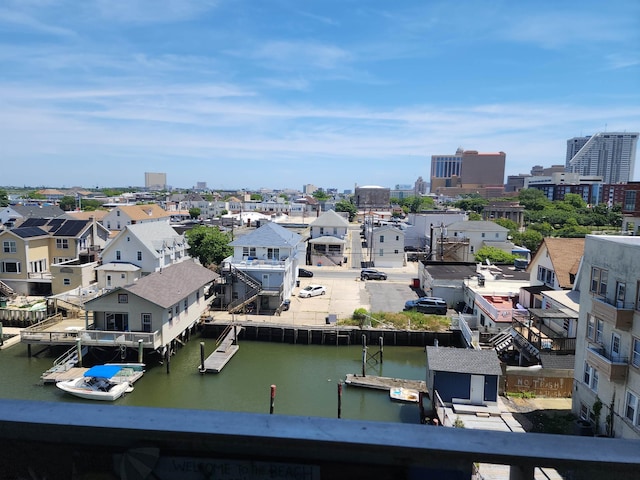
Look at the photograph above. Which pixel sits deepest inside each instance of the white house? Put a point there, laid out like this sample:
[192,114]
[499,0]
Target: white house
[148,246]
[327,244]
[121,216]
[387,243]
[460,241]
[263,268]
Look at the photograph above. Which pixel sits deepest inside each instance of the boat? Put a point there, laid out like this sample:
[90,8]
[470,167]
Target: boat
[404,394]
[106,382]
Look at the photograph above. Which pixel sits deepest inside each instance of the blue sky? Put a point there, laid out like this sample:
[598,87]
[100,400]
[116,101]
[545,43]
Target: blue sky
[281,93]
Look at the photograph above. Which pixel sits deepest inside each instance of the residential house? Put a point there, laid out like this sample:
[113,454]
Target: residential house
[607,368]
[121,216]
[423,224]
[150,247]
[328,239]
[262,269]
[29,250]
[460,241]
[387,246]
[13,215]
[154,310]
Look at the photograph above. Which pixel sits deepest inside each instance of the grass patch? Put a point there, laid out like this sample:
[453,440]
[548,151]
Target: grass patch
[409,320]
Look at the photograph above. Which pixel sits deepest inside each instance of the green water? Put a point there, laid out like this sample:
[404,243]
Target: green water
[306,379]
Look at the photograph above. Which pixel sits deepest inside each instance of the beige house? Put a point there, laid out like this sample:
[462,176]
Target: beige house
[29,251]
[120,217]
[156,309]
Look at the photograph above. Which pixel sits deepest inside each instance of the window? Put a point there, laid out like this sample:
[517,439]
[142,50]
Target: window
[117,213]
[599,330]
[197,295]
[146,322]
[615,347]
[177,310]
[66,282]
[599,279]
[122,276]
[396,252]
[629,201]
[591,377]
[9,246]
[635,354]
[186,304]
[631,408]
[591,326]
[9,266]
[273,253]
[546,276]
[139,255]
[321,230]
[335,230]
[123,298]
[170,313]
[248,251]
[118,255]
[381,253]
[483,234]
[118,226]
[397,238]
[381,238]
[108,281]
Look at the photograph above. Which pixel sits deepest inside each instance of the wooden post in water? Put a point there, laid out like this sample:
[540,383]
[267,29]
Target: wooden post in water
[167,358]
[273,399]
[339,399]
[381,348]
[140,351]
[202,370]
[1,335]
[364,356]
[79,350]
[235,334]
[421,407]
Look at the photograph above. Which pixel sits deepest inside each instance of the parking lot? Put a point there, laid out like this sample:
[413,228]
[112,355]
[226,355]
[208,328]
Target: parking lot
[345,292]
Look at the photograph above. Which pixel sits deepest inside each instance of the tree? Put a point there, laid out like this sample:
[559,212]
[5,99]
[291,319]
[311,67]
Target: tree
[209,244]
[320,195]
[473,203]
[256,197]
[194,212]
[533,199]
[4,198]
[495,255]
[67,203]
[346,206]
[508,224]
[530,239]
[474,217]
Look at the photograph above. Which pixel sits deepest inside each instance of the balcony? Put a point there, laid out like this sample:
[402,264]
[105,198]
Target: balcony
[542,337]
[613,367]
[139,442]
[619,316]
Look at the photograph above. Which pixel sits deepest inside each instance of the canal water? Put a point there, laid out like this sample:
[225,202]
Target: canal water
[306,379]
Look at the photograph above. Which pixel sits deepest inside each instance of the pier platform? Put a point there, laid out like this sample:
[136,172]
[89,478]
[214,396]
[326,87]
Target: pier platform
[384,383]
[225,350]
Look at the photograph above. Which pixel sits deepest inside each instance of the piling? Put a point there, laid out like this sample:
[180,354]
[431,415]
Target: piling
[235,334]
[421,407]
[79,350]
[381,348]
[202,369]
[339,399]
[1,335]
[273,399]
[364,356]
[140,351]
[167,358]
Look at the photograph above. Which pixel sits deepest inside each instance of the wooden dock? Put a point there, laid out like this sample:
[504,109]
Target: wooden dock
[63,375]
[226,349]
[384,383]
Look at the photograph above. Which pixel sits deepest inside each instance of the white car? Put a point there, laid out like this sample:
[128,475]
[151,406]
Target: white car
[312,291]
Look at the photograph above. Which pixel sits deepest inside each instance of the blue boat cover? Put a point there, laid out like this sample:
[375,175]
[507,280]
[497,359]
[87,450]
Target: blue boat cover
[104,371]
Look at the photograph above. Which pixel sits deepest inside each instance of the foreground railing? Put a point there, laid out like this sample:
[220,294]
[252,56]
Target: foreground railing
[76,440]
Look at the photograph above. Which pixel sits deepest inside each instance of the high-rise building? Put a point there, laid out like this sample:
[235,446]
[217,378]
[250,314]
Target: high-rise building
[468,172]
[155,181]
[611,155]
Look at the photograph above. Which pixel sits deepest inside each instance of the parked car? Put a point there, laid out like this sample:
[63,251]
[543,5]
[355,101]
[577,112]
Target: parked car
[372,274]
[431,305]
[303,272]
[312,291]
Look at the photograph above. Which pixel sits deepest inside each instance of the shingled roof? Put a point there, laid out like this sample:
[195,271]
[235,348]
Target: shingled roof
[172,284]
[463,360]
[565,255]
[268,235]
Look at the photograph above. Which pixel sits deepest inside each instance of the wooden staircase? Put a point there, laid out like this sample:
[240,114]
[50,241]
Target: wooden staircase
[254,289]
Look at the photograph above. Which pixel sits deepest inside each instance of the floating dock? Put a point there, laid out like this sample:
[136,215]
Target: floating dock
[225,350]
[385,383]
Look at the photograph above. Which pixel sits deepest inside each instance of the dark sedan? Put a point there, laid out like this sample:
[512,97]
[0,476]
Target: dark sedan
[303,272]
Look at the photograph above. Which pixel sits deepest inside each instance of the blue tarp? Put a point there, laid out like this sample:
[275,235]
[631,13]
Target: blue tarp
[105,371]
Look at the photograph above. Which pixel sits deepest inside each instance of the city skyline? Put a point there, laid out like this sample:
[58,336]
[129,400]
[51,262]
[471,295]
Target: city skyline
[245,95]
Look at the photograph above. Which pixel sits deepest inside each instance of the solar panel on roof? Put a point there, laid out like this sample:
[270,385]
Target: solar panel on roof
[34,222]
[70,228]
[28,232]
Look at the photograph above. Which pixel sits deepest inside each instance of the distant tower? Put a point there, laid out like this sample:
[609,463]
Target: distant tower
[420,187]
[155,181]
[611,155]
